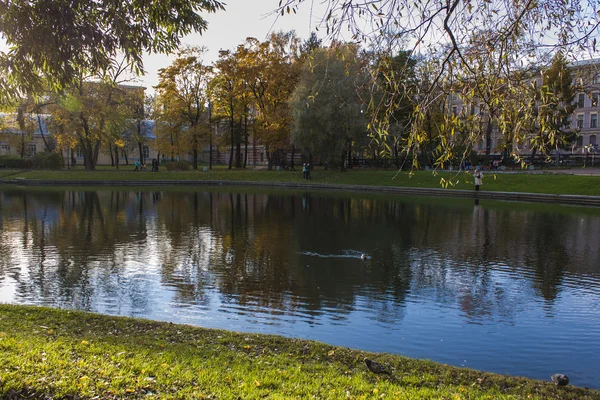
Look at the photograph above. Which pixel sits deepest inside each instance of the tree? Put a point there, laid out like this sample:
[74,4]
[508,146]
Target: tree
[516,36]
[231,99]
[182,98]
[327,105]
[91,114]
[271,70]
[394,99]
[555,108]
[54,41]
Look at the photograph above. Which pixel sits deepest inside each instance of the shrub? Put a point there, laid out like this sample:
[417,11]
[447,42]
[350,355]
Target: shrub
[47,160]
[13,162]
[178,166]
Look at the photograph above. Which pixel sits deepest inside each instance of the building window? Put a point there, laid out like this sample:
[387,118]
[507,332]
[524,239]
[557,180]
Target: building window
[594,121]
[146,152]
[581,100]
[597,78]
[595,99]
[592,140]
[262,157]
[79,152]
[580,121]
[5,149]
[32,149]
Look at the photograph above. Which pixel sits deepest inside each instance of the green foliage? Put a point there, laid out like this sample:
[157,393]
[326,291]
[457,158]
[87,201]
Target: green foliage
[15,162]
[53,41]
[47,160]
[327,105]
[178,165]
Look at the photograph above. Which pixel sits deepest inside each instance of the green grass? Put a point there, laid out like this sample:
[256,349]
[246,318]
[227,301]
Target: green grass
[507,182]
[51,353]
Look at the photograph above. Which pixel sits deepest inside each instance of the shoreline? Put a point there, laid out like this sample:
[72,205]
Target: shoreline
[60,353]
[566,199]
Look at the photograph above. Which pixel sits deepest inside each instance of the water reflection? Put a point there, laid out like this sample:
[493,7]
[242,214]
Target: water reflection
[454,282]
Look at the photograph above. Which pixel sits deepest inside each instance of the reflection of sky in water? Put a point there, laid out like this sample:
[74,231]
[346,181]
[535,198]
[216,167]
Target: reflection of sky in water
[430,299]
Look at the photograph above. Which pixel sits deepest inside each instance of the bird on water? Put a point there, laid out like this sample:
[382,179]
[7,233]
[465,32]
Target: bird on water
[375,367]
[363,256]
[560,379]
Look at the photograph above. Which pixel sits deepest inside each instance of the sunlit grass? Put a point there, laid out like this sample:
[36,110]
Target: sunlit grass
[48,353]
[507,182]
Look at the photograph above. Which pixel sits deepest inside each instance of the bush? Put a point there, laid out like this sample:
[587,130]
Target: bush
[13,162]
[178,166]
[47,160]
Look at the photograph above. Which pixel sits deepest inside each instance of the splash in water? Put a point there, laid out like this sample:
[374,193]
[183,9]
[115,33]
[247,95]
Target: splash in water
[345,254]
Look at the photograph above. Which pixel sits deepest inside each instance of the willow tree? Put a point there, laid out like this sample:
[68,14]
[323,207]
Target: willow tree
[328,108]
[513,35]
[52,41]
[182,98]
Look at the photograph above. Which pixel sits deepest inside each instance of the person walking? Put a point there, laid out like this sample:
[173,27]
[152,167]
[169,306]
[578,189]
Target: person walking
[478,175]
[304,170]
[308,168]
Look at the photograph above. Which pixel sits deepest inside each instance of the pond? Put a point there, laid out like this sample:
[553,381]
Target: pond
[503,287]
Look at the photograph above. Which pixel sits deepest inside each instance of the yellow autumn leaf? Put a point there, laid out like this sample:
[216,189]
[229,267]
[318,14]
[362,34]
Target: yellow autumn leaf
[85,342]
[375,391]
[256,383]
[331,352]
[164,365]
[50,331]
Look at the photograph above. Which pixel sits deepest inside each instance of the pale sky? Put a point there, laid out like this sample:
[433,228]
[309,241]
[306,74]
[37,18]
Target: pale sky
[241,19]
[227,29]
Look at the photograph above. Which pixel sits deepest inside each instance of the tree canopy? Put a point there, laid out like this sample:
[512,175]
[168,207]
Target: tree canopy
[328,108]
[52,41]
[478,50]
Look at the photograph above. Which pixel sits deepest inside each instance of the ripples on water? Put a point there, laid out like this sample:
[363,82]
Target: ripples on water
[489,287]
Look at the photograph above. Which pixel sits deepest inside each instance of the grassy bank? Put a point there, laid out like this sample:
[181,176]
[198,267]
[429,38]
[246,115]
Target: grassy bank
[65,354]
[507,182]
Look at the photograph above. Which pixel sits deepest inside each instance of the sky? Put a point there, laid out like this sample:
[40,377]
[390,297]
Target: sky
[241,19]
[227,29]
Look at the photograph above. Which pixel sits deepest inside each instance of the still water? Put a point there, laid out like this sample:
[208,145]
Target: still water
[503,287]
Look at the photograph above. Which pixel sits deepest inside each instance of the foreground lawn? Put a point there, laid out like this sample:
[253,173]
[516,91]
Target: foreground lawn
[550,183]
[48,353]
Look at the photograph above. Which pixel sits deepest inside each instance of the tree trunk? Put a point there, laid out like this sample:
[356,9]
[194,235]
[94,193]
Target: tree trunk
[141,150]
[231,129]
[254,146]
[292,160]
[245,141]
[349,154]
[112,158]
[117,157]
[270,157]
[96,151]
[46,145]
[488,135]
[195,158]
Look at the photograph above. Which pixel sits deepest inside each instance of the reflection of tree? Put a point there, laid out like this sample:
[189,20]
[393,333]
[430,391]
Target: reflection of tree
[68,248]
